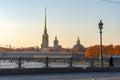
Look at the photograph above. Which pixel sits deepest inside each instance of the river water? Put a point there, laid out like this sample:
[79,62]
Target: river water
[66,76]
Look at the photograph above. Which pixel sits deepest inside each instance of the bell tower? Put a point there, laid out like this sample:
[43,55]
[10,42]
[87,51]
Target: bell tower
[45,37]
[55,43]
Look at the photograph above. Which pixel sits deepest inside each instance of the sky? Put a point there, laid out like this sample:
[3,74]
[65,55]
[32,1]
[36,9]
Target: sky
[22,22]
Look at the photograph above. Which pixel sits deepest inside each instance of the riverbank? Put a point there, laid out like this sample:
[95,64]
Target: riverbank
[57,70]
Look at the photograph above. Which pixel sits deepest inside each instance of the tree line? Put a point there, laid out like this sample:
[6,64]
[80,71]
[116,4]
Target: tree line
[94,51]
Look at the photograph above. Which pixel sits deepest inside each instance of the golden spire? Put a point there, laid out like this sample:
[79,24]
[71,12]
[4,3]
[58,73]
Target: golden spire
[45,31]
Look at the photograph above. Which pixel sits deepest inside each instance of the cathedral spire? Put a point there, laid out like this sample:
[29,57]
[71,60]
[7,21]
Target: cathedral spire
[45,37]
[78,41]
[45,30]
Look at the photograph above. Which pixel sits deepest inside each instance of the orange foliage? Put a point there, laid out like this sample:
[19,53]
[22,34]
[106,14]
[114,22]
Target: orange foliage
[94,51]
[117,50]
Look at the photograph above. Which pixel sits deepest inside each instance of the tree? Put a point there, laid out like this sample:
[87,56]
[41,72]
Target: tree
[117,50]
[92,51]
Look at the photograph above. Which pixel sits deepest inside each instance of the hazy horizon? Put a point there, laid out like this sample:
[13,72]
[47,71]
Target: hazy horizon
[22,22]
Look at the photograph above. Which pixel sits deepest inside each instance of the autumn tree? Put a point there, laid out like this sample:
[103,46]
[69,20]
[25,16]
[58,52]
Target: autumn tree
[117,50]
[94,51]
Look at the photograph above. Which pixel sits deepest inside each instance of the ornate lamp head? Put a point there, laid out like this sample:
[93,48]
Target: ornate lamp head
[100,25]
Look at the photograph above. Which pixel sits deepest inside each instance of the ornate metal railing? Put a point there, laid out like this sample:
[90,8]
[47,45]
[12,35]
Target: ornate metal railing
[54,62]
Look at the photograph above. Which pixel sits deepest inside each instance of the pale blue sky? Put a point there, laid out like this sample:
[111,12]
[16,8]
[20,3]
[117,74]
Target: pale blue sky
[22,22]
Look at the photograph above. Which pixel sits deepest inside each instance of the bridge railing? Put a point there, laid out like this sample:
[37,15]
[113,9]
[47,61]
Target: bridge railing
[54,62]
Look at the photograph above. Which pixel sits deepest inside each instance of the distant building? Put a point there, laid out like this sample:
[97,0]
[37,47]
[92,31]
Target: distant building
[41,54]
[56,47]
[56,43]
[78,47]
[45,37]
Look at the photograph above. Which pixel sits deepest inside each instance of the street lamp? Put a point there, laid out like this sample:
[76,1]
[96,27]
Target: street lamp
[101,56]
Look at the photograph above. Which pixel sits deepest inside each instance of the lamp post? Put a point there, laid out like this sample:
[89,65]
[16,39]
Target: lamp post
[101,56]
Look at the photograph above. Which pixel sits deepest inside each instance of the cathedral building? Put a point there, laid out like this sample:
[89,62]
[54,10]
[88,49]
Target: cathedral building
[78,47]
[45,37]
[56,47]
